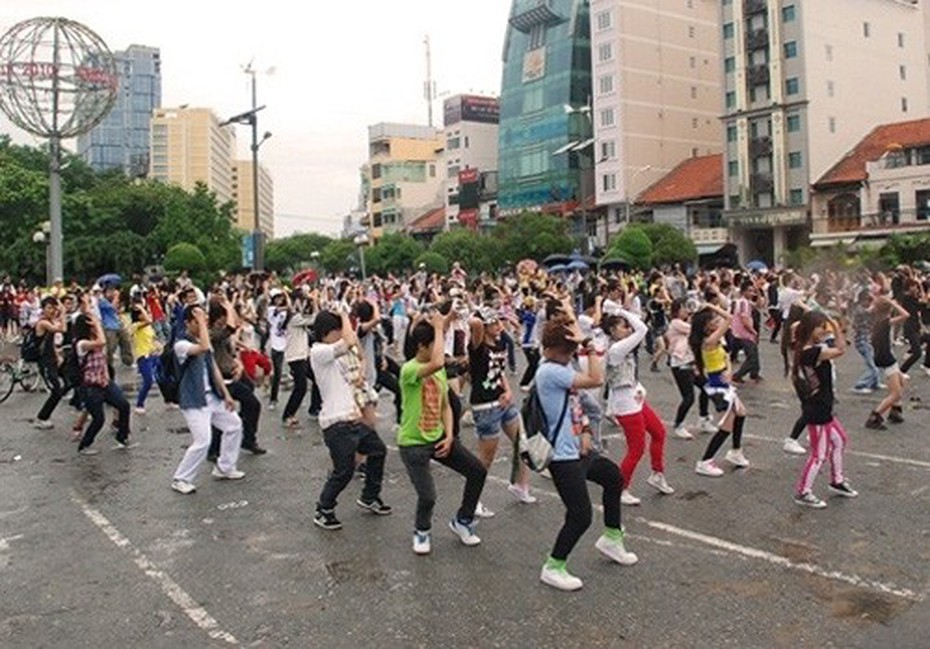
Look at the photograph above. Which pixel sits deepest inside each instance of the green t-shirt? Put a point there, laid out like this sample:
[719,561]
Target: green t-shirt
[421,410]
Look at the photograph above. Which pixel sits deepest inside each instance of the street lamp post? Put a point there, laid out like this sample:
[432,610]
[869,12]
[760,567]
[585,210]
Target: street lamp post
[361,240]
[41,237]
[629,201]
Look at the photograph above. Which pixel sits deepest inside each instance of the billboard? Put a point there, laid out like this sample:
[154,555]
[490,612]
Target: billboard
[471,108]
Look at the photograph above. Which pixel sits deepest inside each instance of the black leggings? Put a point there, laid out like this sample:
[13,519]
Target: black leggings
[569,477]
[799,425]
[686,379]
[299,371]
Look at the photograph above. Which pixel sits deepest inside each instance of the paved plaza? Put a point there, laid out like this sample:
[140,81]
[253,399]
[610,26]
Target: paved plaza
[99,552]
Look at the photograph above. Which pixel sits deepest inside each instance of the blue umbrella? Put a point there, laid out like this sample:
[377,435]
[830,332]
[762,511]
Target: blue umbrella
[110,279]
[757,265]
[577,264]
[558,268]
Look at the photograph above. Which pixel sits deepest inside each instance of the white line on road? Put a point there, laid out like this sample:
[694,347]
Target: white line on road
[197,613]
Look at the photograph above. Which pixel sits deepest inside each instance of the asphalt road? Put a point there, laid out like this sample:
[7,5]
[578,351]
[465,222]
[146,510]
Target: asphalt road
[99,552]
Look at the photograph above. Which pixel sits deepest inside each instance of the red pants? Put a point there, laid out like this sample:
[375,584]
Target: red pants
[635,427]
[251,359]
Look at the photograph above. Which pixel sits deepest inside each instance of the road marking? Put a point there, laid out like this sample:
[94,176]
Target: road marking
[197,613]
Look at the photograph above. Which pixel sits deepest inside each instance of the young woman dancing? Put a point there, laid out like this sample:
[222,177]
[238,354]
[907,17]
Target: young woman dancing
[681,359]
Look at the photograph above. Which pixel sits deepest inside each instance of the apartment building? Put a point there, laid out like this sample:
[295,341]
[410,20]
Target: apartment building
[805,80]
[470,125]
[242,188]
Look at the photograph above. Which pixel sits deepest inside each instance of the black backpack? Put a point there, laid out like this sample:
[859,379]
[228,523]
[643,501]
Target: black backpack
[170,373]
[72,368]
[31,348]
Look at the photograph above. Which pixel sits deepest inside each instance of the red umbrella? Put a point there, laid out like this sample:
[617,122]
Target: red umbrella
[306,276]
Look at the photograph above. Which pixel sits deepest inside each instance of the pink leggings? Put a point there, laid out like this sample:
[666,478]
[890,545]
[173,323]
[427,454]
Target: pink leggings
[829,438]
[635,427]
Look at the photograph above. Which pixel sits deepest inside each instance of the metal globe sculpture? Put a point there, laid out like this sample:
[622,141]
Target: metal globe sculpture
[57,77]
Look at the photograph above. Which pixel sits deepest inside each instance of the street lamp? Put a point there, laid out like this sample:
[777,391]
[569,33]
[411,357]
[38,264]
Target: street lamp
[629,201]
[43,238]
[361,240]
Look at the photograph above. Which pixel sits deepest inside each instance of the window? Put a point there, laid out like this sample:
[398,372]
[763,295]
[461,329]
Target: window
[453,171]
[794,160]
[610,182]
[796,197]
[731,99]
[903,104]
[830,88]
[452,143]
[608,150]
[866,30]
[901,39]
[604,20]
[533,98]
[534,163]
[831,124]
[791,49]
[690,31]
[828,52]
[902,70]
[607,117]
[792,86]
[728,31]
[466,141]
[922,200]
[731,133]
[794,123]
[692,62]
[733,168]
[376,171]
[787,14]
[729,64]
[604,52]
[606,84]
[432,174]
[537,37]
[694,122]
[693,92]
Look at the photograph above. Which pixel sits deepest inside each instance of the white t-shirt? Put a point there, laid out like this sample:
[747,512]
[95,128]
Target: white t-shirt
[277,333]
[335,391]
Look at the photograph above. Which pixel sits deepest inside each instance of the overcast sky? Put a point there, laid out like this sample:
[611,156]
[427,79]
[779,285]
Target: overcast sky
[339,67]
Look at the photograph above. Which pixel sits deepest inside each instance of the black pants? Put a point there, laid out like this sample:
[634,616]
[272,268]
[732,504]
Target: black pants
[277,363]
[387,379]
[344,440]
[299,370]
[532,363]
[777,320]
[94,398]
[316,399]
[569,478]
[507,340]
[914,341]
[686,380]
[250,410]
[56,390]
[462,461]
[750,365]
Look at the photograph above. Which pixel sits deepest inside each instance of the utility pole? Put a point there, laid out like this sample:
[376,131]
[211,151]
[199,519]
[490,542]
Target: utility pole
[429,89]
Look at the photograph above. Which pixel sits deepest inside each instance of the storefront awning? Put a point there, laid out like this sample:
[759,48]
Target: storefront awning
[709,248]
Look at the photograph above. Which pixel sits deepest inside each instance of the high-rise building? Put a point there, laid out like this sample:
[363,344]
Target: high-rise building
[470,155]
[242,183]
[805,80]
[656,95]
[190,146]
[405,180]
[121,140]
[545,137]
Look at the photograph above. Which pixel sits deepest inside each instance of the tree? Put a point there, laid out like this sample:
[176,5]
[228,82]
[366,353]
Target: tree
[674,247]
[474,252]
[533,236]
[433,262]
[338,255]
[393,253]
[633,246]
[288,254]
[185,256]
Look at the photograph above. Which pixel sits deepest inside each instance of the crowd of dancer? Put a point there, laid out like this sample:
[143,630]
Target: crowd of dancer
[445,348]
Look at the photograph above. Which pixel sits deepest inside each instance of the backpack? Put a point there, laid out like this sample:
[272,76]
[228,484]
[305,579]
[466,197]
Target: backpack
[72,368]
[31,348]
[536,449]
[170,373]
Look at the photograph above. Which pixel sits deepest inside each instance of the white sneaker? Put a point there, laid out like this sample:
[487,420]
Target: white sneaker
[124,446]
[613,549]
[139,410]
[626,498]
[43,424]
[736,458]
[483,512]
[88,451]
[658,481]
[862,390]
[925,369]
[234,474]
[545,473]
[682,433]
[793,447]
[465,532]
[421,542]
[521,493]
[183,487]
[706,425]
[708,468]
[560,578]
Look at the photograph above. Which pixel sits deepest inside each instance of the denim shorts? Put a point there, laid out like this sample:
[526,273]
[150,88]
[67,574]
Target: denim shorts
[490,421]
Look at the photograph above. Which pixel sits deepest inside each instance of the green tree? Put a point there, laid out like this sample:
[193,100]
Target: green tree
[633,246]
[433,261]
[338,255]
[674,247]
[533,236]
[288,254]
[185,256]
[474,252]
[393,253]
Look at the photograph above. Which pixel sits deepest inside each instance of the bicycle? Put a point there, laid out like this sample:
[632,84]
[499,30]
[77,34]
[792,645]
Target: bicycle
[18,371]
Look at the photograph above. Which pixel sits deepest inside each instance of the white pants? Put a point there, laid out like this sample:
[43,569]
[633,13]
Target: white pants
[199,421]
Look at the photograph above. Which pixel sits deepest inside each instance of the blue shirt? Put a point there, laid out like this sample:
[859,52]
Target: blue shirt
[109,318]
[553,381]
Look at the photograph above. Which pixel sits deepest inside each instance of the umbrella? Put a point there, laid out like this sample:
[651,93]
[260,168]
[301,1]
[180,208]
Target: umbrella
[577,264]
[556,259]
[615,264]
[588,259]
[110,279]
[757,265]
[558,268]
[308,275]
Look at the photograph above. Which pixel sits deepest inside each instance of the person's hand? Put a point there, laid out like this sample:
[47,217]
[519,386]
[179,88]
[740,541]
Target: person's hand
[230,403]
[443,447]
[505,400]
[437,319]
[586,443]
[574,333]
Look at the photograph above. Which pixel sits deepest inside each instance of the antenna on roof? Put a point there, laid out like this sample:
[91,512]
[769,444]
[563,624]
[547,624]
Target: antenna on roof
[429,86]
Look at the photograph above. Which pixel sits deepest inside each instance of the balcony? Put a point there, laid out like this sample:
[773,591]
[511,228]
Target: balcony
[761,183]
[753,7]
[760,147]
[757,39]
[542,14]
[758,75]
[908,220]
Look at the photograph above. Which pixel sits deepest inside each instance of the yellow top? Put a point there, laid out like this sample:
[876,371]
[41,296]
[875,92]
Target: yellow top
[715,360]
[143,340]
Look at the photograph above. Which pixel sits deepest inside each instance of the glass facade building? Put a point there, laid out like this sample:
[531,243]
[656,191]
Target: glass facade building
[545,135]
[121,140]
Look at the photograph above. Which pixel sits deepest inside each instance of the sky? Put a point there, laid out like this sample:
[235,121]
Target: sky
[338,68]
